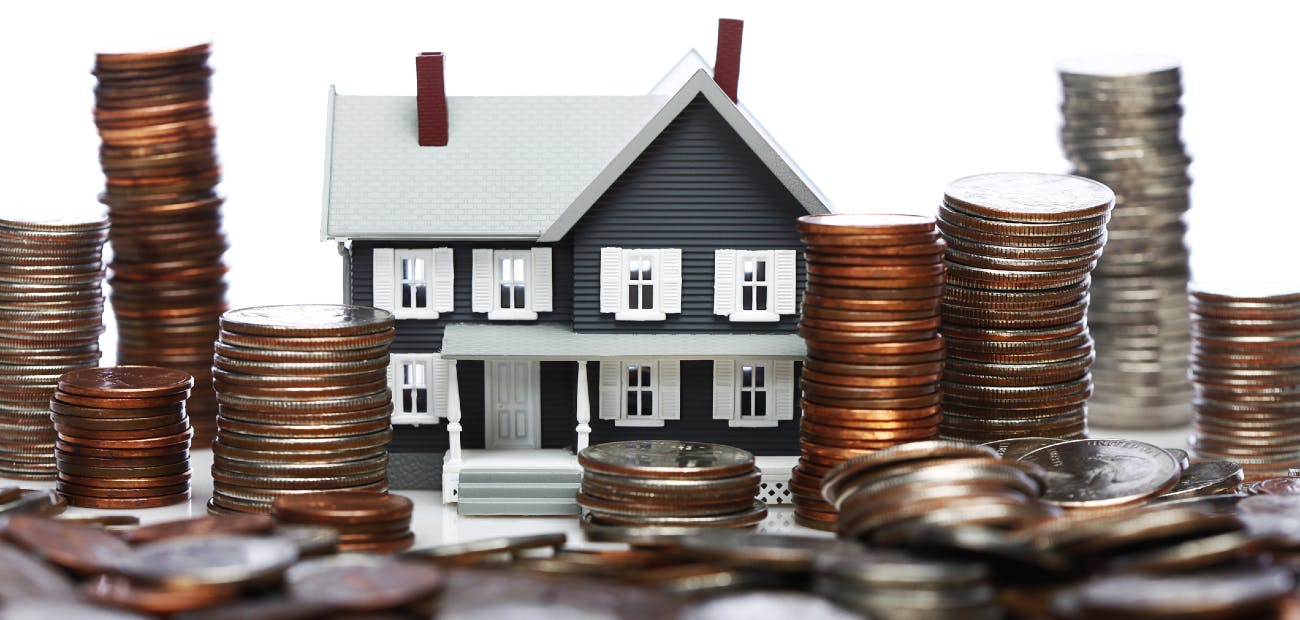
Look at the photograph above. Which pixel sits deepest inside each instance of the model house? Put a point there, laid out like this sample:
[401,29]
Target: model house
[569,270]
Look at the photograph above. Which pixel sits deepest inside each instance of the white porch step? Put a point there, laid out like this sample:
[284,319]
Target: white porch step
[518,491]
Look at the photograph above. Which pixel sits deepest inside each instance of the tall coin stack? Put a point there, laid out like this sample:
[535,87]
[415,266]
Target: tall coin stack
[870,317]
[303,402]
[159,157]
[1245,369]
[1020,250]
[51,316]
[1122,118]
[123,437]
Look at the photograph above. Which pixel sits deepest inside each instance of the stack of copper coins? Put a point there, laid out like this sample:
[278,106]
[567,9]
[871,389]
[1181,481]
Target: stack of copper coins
[367,521]
[51,316]
[1245,369]
[668,483]
[123,437]
[870,317]
[1122,120]
[1021,247]
[159,157]
[304,403]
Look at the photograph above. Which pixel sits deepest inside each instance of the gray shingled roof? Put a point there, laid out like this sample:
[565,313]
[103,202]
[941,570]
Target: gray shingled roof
[555,342]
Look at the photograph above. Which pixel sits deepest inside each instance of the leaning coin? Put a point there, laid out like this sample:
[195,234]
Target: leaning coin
[82,549]
[363,585]
[1206,478]
[210,560]
[476,549]
[1090,473]
[211,525]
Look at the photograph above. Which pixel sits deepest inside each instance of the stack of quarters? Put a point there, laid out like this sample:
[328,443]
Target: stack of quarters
[1021,247]
[1122,119]
[159,157]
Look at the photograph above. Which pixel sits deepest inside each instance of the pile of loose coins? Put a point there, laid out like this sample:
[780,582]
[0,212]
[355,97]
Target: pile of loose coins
[870,318]
[900,586]
[669,483]
[1245,368]
[123,436]
[1021,247]
[304,403]
[1122,118]
[51,316]
[366,521]
[159,157]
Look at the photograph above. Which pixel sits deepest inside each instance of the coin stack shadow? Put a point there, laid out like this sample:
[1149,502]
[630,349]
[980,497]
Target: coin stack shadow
[51,316]
[304,404]
[123,437]
[1020,250]
[1245,369]
[870,318]
[159,157]
[1121,128]
[667,483]
[367,521]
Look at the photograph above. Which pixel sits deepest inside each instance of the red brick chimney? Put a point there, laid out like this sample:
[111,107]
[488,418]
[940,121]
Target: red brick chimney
[431,99]
[726,69]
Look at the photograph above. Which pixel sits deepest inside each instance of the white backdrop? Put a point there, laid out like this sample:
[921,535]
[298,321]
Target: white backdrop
[880,106]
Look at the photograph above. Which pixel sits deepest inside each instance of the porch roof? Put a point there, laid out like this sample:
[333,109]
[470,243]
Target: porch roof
[477,341]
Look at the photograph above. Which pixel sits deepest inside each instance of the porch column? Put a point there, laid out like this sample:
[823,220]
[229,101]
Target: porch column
[583,407]
[453,415]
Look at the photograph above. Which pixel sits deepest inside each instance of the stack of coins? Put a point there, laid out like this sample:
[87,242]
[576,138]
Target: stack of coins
[51,316]
[1245,367]
[159,157]
[669,483]
[932,484]
[367,521]
[870,317]
[1021,247]
[895,585]
[304,403]
[1122,117]
[123,436]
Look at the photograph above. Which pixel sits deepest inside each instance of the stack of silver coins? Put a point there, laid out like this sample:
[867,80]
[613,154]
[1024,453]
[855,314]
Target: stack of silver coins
[1122,119]
[51,316]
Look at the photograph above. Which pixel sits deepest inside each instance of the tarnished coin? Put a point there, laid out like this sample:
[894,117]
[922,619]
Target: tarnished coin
[363,585]
[82,549]
[667,458]
[1206,478]
[126,382]
[307,320]
[1104,472]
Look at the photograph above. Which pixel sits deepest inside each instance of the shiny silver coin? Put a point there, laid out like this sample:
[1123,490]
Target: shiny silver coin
[1103,472]
[210,560]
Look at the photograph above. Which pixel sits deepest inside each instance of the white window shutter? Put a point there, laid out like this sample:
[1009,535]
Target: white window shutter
[395,383]
[783,389]
[542,287]
[482,287]
[444,280]
[438,385]
[610,393]
[670,390]
[611,279]
[383,279]
[724,389]
[785,286]
[724,282]
[670,268]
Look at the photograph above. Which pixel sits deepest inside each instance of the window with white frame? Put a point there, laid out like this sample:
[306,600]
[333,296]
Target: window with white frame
[419,385]
[512,275]
[754,285]
[413,280]
[641,284]
[640,392]
[413,283]
[512,285]
[753,393]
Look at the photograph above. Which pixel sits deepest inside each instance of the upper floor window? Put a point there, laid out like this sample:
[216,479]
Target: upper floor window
[640,284]
[754,285]
[413,283]
[512,284]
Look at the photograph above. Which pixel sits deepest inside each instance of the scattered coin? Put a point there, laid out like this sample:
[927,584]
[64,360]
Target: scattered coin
[365,520]
[1206,478]
[1092,473]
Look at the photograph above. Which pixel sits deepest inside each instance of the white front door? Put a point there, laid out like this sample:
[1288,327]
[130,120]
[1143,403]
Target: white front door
[513,404]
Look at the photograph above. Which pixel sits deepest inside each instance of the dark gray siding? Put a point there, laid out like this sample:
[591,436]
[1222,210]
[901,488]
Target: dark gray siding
[559,406]
[697,423]
[699,188]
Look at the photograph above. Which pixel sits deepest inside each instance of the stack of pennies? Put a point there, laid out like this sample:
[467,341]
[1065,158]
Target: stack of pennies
[159,157]
[1122,118]
[304,403]
[870,318]
[368,521]
[669,483]
[51,316]
[895,585]
[123,437]
[1245,368]
[933,483]
[1021,247]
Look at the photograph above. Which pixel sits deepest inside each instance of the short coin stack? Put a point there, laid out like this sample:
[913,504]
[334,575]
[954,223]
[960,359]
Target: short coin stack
[1122,117]
[367,521]
[870,317]
[159,157]
[1020,250]
[1245,368]
[123,437]
[304,403]
[671,484]
[51,316]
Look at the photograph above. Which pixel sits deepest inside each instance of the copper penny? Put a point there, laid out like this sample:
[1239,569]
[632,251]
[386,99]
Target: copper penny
[885,292]
[81,433]
[914,402]
[77,491]
[823,241]
[808,311]
[930,304]
[857,260]
[343,507]
[867,381]
[847,416]
[841,391]
[936,343]
[155,442]
[82,549]
[865,223]
[822,426]
[119,403]
[868,369]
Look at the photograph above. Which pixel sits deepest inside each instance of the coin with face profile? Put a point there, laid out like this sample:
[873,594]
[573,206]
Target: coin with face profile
[1093,473]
